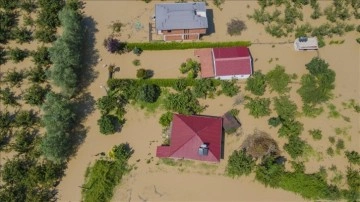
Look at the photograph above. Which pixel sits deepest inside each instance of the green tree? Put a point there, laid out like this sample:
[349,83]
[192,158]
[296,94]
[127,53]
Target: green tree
[203,88]
[180,85]
[316,134]
[166,119]
[3,54]
[149,93]
[41,56]
[258,107]
[256,84]
[107,103]
[317,86]
[107,124]
[285,108]
[353,181]
[58,120]
[239,164]
[278,80]
[142,74]
[229,88]
[353,157]
[121,152]
[37,75]
[25,119]
[24,141]
[22,35]
[65,54]
[184,103]
[14,78]
[8,97]
[35,94]
[17,55]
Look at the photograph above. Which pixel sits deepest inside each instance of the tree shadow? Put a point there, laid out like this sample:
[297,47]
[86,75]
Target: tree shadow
[90,55]
[211,25]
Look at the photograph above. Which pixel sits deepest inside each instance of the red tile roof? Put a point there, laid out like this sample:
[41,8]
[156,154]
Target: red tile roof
[231,52]
[189,133]
[232,61]
[227,61]
[206,61]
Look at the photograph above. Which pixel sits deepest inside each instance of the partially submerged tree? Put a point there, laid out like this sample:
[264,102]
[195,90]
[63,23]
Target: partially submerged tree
[256,84]
[239,163]
[235,27]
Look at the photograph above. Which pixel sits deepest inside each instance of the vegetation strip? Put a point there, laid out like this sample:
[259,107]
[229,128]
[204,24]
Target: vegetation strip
[186,45]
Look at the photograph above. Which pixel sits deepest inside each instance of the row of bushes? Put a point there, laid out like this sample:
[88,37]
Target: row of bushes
[187,45]
[118,83]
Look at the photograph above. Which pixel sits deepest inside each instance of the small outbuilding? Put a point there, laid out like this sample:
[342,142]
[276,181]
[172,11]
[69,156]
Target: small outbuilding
[230,123]
[305,43]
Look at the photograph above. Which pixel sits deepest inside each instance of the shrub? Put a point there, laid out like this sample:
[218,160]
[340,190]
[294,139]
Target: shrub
[290,128]
[41,56]
[316,134]
[137,51]
[14,78]
[123,83]
[295,147]
[136,62]
[192,67]
[234,112]
[35,94]
[17,55]
[278,80]
[285,108]
[8,97]
[2,56]
[353,157]
[239,163]
[114,46]
[107,124]
[142,73]
[229,88]
[116,26]
[235,27]
[186,45]
[269,172]
[107,103]
[37,75]
[166,119]
[180,85]
[121,152]
[330,151]
[312,111]
[340,145]
[258,107]
[274,121]
[148,93]
[256,83]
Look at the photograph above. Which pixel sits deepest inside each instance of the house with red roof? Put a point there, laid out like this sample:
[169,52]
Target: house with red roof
[225,63]
[194,137]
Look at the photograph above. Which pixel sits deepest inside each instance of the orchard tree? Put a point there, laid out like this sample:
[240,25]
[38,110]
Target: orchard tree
[184,103]
[41,57]
[35,94]
[107,124]
[229,88]
[8,97]
[203,88]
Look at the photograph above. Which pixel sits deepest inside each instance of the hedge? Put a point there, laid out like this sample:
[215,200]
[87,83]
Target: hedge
[185,45]
[118,83]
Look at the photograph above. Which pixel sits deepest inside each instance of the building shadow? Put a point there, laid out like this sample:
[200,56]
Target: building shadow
[211,25]
[222,145]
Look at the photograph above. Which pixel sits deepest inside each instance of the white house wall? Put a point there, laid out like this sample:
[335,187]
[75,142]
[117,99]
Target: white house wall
[245,76]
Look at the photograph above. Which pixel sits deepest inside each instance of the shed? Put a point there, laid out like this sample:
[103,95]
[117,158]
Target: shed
[230,123]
